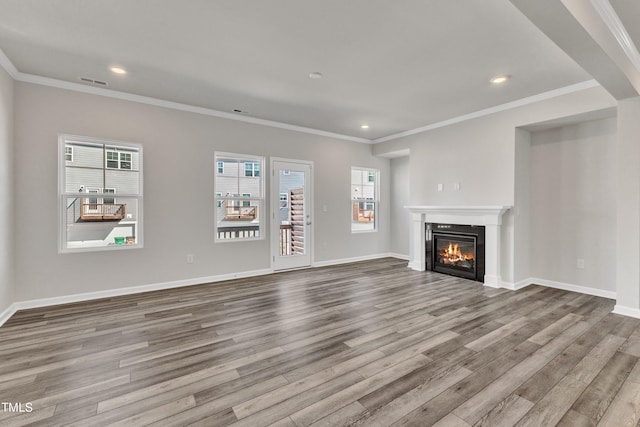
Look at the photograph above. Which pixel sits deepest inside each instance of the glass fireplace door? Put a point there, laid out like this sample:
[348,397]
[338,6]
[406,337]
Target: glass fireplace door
[455,254]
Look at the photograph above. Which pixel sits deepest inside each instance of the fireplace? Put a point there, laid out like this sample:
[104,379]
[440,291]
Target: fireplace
[455,249]
[490,217]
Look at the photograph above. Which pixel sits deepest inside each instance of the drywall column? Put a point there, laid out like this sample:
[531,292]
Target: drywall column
[417,248]
[7,199]
[628,228]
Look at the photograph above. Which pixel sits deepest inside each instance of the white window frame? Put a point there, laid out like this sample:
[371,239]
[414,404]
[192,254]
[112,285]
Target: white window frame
[365,201]
[239,201]
[63,195]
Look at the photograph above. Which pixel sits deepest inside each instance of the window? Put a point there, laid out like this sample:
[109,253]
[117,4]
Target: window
[91,218]
[112,159]
[284,200]
[252,169]
[109,200]
[364,199]
[239,197]
[118,160]
[125,160]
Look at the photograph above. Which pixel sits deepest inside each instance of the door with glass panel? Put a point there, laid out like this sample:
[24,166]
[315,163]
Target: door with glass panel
[291,221]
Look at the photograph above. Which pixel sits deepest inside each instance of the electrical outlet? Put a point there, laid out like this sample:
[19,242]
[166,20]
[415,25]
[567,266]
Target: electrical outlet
[580,263]
[189,258]
[440,187]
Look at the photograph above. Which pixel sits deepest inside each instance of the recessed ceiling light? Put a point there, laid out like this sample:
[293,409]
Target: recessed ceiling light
[315,75]
[499,79]
[364,127]
[118,70]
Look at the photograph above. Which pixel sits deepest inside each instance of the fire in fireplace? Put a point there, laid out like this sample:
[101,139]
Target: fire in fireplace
[453,255]
[456,249]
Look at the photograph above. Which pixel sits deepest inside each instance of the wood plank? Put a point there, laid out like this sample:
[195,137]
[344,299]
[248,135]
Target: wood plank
[478,405]
[624,410]
[366,343]
[550,409]
[507,412]
[320,409]
[595,400]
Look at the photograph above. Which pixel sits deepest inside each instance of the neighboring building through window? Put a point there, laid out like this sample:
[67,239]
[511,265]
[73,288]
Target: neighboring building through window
[239,196]
[364,199]
[252,169]
[284,200]
[118,160]
[92,172]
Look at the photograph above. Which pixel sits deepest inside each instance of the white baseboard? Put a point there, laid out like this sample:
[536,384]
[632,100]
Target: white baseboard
[516,286]
[44,302]
[626,311]
[110,293]
[572,288]
[350,260]
[399,256]
[7,313]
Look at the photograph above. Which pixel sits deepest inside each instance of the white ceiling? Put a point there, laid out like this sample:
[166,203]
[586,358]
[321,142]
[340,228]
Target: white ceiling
[394,65]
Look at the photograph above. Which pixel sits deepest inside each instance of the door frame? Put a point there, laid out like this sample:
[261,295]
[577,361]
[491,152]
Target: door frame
[274,203]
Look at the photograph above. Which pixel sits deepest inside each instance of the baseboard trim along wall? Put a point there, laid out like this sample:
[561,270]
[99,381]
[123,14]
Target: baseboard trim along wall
[572,288]
[626,311]
[339,261]
[7,313]
[45,302]
[400,256]
[516,286]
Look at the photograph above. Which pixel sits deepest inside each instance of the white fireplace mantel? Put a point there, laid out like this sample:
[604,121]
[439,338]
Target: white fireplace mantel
[489,216]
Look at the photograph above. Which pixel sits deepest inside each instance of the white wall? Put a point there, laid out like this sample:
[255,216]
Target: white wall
[400,217]
[628,203]
[573,204]
[7,235]
[520,215]
[484,150]
[178,155]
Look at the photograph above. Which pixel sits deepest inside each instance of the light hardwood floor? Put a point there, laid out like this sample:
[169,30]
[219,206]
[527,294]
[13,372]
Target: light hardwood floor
[367,344]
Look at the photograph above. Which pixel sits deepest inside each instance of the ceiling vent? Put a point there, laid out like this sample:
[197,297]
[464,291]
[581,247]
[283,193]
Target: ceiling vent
[94,81]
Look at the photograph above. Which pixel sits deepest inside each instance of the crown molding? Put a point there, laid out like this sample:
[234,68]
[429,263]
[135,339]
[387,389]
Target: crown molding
[110,93]
[6,63]
[492,110]
[611,19]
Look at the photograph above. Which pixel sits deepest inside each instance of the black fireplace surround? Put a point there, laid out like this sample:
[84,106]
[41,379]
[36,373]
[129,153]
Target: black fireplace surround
[456,249]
